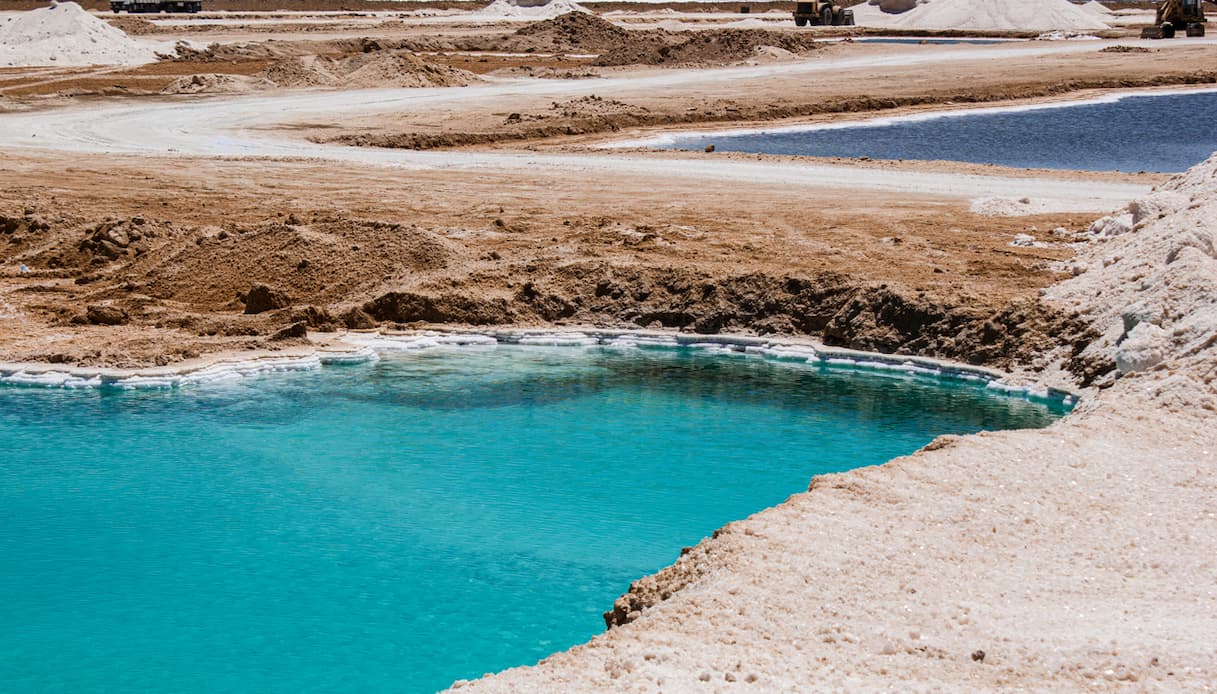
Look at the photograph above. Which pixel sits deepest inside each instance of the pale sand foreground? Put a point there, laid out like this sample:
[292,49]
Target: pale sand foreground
[1079,556]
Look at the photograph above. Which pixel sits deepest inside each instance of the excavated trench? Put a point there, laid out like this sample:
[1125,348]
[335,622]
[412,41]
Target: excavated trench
[336,273]
[834,308]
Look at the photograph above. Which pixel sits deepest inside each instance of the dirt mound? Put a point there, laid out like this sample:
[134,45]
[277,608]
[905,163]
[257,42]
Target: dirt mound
[228,52]
[68,247]
[1125,49]
[305,71]
[402,69]
[327,259]
[210,83]
[576,31]
[378,69]
[132,26]
[709,47]
[581,33]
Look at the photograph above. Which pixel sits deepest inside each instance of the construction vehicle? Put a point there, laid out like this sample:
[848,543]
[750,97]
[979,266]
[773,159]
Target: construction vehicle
[1176,15]
[155,6]
[822,13]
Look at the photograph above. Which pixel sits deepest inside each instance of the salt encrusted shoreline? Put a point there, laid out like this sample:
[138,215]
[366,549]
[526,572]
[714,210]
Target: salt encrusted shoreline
[361,346]
[1079,556]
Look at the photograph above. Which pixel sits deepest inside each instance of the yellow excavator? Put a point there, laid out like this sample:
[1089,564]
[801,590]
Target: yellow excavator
[822,13]
[1175,15]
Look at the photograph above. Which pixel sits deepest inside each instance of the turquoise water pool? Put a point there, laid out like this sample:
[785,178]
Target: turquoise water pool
[397,525]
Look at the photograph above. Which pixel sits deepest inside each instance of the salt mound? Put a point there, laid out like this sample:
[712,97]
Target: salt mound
[1152,289]
[872,16]
[1097,9]
[65,34]
[509,9]
[215,84]
[999,15]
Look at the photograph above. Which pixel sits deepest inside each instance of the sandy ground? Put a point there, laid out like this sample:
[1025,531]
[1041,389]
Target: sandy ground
[168,229]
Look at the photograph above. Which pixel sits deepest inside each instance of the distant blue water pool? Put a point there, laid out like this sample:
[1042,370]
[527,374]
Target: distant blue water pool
[1164,133]
[397,525]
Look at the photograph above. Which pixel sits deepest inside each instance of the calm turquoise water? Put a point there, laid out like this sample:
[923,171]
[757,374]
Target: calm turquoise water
[398,525]
[1131,134]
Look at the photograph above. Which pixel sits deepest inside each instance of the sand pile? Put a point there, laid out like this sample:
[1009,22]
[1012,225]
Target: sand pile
[506,9]
[999,15]
[64,34]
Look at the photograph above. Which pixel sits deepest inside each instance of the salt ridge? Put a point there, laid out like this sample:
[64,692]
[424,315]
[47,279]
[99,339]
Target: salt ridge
[364,347]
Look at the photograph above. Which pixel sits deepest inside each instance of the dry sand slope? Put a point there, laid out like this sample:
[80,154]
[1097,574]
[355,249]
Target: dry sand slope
[1082,555]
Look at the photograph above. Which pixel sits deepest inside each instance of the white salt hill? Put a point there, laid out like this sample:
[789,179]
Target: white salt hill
[526,9]
[1097,9]
[999,15]
[868,15]
[64,34]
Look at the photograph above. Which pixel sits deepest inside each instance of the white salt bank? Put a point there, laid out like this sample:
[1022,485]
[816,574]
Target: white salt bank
[529,9]
[64,34]
[999,15]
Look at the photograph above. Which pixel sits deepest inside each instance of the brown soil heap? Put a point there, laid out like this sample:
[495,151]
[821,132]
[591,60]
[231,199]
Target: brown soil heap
[373,69]
[710,47]
[577,32]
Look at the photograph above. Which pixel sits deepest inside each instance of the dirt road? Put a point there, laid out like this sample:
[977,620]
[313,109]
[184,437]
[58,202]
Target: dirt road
[242,126]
